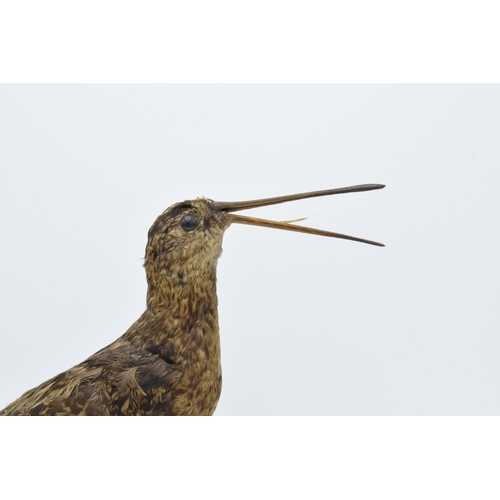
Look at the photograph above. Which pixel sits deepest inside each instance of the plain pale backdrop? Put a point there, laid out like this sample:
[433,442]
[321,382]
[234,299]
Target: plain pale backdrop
[309,325]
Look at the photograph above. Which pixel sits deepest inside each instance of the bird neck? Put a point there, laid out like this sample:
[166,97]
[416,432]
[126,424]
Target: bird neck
[181,295]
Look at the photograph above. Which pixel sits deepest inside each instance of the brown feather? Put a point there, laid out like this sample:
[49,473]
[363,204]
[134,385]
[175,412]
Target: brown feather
[168,362]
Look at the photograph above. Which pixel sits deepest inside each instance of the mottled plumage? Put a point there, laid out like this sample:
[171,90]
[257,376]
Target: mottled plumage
[168,361]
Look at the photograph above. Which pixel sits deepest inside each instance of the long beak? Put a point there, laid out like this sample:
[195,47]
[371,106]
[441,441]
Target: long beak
[287,225]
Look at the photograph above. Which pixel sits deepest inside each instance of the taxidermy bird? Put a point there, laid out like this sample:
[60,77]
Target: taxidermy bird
[168,361]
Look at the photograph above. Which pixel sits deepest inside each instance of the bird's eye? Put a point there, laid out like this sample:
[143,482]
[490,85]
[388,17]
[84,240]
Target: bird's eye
[189,223]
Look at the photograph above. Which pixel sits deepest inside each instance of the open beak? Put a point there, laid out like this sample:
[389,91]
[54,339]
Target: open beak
[287,225]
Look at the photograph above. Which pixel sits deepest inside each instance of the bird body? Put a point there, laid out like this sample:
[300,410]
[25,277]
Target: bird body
[168,361]
[163,374]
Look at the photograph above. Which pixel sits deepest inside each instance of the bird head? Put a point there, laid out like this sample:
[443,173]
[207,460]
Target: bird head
[185,241]
[187,235]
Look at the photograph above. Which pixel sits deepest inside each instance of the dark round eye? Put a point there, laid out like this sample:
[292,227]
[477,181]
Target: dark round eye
[189,223]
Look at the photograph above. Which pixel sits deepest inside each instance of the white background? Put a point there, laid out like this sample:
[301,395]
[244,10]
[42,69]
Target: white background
[309,325]
[430,296]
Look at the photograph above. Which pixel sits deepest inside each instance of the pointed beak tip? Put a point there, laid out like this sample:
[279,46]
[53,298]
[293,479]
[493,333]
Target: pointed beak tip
[229,207]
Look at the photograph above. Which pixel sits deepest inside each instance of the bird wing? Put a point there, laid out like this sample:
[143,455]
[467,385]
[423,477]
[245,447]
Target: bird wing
[111,382]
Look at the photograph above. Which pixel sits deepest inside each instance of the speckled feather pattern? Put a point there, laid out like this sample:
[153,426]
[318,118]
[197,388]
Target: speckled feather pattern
[168,362]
